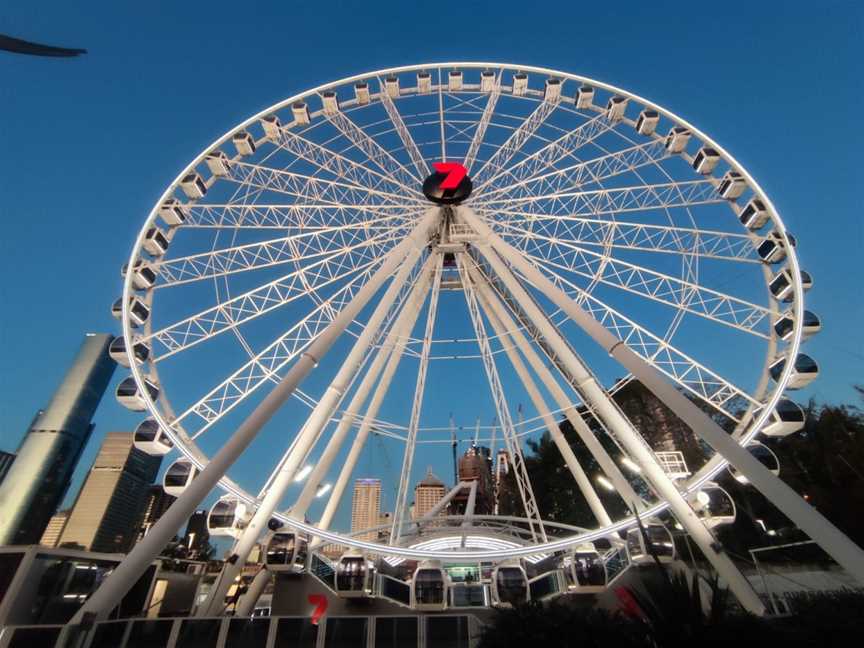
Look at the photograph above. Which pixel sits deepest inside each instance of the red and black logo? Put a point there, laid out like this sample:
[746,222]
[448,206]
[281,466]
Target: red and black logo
[449,185]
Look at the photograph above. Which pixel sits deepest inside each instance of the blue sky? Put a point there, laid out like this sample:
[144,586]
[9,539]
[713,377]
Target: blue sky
[89,144]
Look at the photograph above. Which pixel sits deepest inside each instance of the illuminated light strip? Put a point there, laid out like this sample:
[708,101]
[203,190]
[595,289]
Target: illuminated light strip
[471,542]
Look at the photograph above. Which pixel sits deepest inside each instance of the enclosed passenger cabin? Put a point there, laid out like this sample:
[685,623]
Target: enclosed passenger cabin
[155,242]
[243,142]
[172,212]
[117,351]
[754,215]
[143,275]
[138,311]
[784,327]
[788,418]
[585,96]
[552,91]
[193,186]
[647,122]
[454,80]
[772,248]
[510,584]
[272,126]
[429,586]
[764,455]
[781,284]
[585,568]
[391,86]
[178,477]
[286,552]
[301,113]
[661,543]
[228,516]
[150,438]
[804,371]
[131,398]
[520,84]
[732,185]
[705,160]
[330,102]
[424,82]
[487,81]
[218,163]
[677,138]
[361,91]
[714,506]
[355,575]
[615,108]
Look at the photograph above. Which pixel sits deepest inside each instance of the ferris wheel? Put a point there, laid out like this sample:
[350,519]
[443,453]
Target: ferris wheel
[561,236]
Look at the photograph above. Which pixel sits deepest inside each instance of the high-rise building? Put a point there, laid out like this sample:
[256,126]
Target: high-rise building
[108,509]
[476,466]
[427,494]
[366,507]
[6,459]
[502,468]
[155,505]
[40,475]
[51,537]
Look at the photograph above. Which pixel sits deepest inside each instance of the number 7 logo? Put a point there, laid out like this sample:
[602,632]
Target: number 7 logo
[455,172]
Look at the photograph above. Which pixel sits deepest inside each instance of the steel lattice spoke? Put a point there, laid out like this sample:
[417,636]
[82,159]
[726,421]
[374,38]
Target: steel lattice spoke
[404,134]
[300,216]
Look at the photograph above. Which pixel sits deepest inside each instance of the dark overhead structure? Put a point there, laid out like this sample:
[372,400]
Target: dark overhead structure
[18,46]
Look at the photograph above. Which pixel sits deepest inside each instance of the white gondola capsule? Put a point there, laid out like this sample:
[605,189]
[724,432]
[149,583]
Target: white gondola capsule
[587,572]
[178,477]
[272,126]
[772,248]
[286,552]
[787,418]
[732,185]
[361,91]
[391,86]
[218,163]
[355,575]
[138,311]
[677,139]
[781,284]
[714,506]
[117,350]
[552,91]
[330,102]
[172,212]
[155,242]
[228,516]
[244,143]
[615,108]
[764,455]
[584,97]
[754,215]
[143,275]
[784,326]
[454,80]
[193,186]
[424,82]
[661,542]
[706,160]
[301,113]
[150,438]
[510,584]
[804,371]
[520,84]
[131,398]
[647,122]
[430,586]
[487,81]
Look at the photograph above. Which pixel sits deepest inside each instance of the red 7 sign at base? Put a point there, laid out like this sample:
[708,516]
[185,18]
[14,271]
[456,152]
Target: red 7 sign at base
[455,172]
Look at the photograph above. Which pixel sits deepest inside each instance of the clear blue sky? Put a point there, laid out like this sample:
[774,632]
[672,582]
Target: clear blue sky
[89,144]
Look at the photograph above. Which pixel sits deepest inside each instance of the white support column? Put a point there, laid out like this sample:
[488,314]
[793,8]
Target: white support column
[429,515]
[586,435]
[847,554]
[549,421]
[246,604]
[470,505]
[490,246]
[308,436]
[142,555]
[418,292]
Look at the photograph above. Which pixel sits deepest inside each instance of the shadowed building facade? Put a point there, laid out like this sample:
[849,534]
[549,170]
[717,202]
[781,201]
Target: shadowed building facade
[366,507]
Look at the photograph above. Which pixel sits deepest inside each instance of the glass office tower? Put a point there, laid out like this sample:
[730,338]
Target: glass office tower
[38,478]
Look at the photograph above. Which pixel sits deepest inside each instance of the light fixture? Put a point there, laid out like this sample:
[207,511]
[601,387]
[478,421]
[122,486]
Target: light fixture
[605,483]
[627,462]
[323,488]
[303,474]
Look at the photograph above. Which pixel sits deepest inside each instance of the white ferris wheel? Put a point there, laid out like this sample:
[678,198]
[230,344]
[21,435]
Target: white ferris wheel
[595,238]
